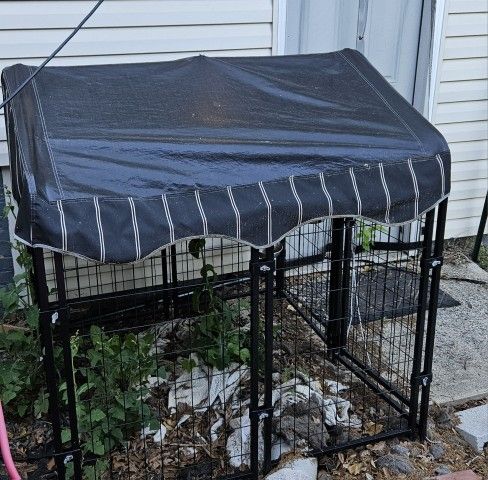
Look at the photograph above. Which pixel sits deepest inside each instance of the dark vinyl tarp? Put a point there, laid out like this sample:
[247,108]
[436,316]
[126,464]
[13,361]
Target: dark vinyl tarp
[113,162]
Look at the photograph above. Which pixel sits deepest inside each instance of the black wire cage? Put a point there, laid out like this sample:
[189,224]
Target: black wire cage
[234,259]
[212,359]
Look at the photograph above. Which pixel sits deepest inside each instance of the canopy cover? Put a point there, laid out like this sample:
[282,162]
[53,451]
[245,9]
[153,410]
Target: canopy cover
[112,162]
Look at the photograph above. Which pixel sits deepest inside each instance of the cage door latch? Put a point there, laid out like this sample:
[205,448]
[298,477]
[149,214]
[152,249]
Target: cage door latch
[423,380]
[263,267]
[263,412]
[434,262]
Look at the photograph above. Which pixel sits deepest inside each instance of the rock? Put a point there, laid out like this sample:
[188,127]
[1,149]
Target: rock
[395,464]
[442,470]
[430,428]
[474,426]
[323,475]
[437,451]
[444,418]
[279,447]
[296,469]
[463,475]
[239,441]
[400,450]
[302,431]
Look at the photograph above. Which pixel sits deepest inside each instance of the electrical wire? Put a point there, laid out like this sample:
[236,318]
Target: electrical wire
[58,49]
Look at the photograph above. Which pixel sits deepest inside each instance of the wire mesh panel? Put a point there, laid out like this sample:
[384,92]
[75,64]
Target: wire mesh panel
[213,360]
[347,330]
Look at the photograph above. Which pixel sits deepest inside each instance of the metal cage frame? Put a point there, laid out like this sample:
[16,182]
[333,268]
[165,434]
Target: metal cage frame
[267,281]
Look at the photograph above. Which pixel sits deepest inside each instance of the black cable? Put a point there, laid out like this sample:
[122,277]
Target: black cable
[45,62]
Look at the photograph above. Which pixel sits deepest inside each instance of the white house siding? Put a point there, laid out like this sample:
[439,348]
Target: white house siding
[461,109]
[130,31]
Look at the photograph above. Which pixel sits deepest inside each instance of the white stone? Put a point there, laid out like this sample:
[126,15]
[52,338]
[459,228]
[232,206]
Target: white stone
[214,429]
[182,420]
[225,382]
[296,469]
[156,434]
[190,388]
[335,387]
[474,426]
[280,447]
[239,441]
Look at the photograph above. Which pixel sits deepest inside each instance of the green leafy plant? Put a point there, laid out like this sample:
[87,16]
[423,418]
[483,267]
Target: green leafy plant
[110,376]
[110,371]
[214,336]
[21,374]
[365,234]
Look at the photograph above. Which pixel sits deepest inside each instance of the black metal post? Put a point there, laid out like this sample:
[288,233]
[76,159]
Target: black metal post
[268,356]
[335,286]
[261,267]
[481,229]
[346,282]
[253,407]
[46,337]
[432,317]
[420,323]
[63,321]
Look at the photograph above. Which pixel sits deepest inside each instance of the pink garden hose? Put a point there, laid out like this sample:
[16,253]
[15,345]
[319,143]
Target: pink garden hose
[5,449]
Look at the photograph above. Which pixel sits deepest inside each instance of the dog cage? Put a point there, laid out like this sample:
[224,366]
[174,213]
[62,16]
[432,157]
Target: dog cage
[212,359]
[228,282]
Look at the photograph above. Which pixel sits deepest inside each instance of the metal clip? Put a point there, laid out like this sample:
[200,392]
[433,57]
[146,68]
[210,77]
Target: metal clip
[423,380]
[264,267]
[263,412]
[434,262]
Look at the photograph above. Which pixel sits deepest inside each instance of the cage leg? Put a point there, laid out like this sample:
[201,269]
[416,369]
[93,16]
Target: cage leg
[415,380]
[432,317]
[481,228]
[268,355]
[261,268]
[335,286]
[63,321]
[253,407]
[46,339]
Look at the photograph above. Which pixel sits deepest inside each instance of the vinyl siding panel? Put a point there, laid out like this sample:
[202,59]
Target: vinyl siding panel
[462,91]
[131,31]
[461,110]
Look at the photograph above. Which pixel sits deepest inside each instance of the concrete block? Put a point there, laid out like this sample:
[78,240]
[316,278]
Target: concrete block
[474,426]
[464,475]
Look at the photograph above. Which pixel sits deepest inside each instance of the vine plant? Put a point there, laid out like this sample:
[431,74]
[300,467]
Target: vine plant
[215,337]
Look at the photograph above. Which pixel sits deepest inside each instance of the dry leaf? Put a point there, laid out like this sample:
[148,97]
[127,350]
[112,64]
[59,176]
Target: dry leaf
[355,468]
[51,464]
